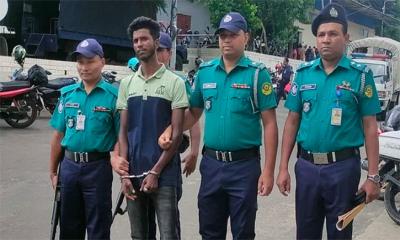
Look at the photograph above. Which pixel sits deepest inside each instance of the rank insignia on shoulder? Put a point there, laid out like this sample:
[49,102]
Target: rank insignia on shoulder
[306,107]
[368,91]
[267,88]
[101,109]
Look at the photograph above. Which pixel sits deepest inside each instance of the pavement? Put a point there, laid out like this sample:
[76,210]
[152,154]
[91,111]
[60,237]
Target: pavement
[26,196]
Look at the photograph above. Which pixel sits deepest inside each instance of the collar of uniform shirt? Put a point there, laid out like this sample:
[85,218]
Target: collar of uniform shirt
[100,84]
[243,62]
[344,62]
[158,74]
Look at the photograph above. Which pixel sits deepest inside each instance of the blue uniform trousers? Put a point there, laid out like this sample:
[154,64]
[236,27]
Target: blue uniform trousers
[324,192]
[228,190]
[85,199]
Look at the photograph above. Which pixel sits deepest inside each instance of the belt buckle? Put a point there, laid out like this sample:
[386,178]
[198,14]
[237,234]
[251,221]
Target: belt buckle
[81,157]
[320,158]
[225,156]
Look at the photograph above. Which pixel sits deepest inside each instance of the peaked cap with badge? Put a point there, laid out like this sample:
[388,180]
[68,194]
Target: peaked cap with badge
[331,13]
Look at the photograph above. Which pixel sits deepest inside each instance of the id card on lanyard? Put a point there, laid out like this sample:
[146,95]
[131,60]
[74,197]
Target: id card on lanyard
[80,121]
[336,114]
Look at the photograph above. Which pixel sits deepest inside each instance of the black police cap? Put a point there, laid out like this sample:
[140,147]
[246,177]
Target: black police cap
[331,13]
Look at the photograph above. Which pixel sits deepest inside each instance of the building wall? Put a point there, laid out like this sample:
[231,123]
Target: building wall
[57,68]
[199,13]
[355,30]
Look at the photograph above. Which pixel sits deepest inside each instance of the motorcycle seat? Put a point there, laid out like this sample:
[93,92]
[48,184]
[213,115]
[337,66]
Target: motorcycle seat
[13,85]
[61,82]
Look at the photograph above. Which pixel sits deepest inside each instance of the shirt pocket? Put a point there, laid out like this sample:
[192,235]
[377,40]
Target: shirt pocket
[209,98]
[308,100]
[241,101]
[347,101]
[100,121]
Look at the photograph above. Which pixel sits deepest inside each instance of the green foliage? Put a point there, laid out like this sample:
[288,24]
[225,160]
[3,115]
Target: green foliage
[279,17]
[218,8]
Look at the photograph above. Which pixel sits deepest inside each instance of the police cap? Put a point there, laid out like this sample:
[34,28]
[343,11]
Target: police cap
[331,13]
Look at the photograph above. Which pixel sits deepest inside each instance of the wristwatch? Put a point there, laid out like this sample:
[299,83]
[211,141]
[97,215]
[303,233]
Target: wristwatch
[374,178]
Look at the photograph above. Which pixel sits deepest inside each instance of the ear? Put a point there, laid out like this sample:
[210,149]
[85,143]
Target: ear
[246,37]
[157,43]
[347,37]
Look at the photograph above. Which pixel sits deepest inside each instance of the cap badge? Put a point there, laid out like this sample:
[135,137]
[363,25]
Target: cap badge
[227,18]
[84,43]
[333,12]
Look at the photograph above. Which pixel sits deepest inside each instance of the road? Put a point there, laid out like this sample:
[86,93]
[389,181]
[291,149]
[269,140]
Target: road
[26,195]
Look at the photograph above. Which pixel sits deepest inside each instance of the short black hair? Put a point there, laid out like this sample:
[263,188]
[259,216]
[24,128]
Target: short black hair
[147,23]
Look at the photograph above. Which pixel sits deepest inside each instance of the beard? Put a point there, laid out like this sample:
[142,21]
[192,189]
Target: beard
[146,55]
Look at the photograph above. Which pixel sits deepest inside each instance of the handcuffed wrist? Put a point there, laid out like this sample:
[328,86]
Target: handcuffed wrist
[152,172]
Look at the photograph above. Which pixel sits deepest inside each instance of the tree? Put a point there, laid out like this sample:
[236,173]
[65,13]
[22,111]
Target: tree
[218,8]
[278,18]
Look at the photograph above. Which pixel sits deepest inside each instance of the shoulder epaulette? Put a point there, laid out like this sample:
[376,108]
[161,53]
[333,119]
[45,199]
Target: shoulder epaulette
[209,63]
[69,88]
[305,65]
[111,89]
[258,65]
[359,66]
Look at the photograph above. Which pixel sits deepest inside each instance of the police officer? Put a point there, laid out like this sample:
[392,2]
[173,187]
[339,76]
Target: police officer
[86,125]
[332,106]
[235,94]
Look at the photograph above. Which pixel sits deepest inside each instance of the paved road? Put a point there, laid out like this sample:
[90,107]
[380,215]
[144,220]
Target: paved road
[26,196]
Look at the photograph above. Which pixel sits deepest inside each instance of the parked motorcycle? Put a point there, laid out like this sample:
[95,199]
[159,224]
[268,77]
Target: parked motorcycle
[389,163]
[18,99]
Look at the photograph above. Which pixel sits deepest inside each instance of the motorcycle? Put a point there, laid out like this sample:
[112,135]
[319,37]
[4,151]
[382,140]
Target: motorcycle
[389,163]
[18,99]
[47,95]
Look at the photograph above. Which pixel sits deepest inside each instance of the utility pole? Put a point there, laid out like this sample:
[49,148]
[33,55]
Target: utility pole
[173,32]
[383,13]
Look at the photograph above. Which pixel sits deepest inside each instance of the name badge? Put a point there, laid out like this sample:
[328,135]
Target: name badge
[336,117]
[71,105]
[308,87]
[209,85]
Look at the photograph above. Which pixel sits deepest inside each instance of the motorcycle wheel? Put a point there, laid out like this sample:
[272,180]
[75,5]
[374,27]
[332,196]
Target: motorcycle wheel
[30,116]
[392,202]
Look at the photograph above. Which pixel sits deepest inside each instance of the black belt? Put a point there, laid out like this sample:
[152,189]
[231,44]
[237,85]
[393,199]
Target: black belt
[85,157]
[330,157]
[226,156]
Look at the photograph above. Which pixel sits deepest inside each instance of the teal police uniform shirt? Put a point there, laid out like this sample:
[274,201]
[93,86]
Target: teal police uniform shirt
[331,107]
[232,121]
[101,118]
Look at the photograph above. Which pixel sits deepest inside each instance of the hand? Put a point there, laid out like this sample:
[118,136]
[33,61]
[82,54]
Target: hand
[164,141]
[371,189]
[149,184]
[190,164]
[120,165]
[127,189]
[54,180]
[265,184]
[283,182]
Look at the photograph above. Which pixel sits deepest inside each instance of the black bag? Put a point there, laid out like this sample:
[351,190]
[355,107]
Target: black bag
[38,76]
